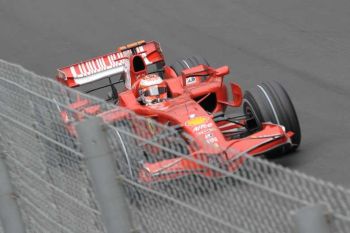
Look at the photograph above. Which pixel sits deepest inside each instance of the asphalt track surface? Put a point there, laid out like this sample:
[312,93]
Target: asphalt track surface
[303,44]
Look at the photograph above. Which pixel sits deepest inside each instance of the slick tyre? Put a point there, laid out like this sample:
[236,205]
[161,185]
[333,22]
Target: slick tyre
[188,62]
[270,102]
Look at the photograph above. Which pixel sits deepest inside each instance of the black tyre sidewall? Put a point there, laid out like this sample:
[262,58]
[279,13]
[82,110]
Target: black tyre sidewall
[272,104]
[284,109]
[249,104]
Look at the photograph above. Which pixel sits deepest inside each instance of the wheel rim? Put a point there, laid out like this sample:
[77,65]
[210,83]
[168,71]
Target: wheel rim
[249,111]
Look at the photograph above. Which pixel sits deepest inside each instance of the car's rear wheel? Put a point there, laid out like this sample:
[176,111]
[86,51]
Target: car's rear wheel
[269,102]
[188,62]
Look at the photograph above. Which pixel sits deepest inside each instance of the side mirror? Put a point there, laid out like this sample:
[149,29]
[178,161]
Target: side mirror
[222,71]
[237,94]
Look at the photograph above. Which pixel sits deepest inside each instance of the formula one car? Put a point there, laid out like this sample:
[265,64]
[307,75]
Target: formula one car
[190,96]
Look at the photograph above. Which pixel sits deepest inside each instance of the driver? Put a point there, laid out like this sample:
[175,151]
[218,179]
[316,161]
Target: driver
[152,89]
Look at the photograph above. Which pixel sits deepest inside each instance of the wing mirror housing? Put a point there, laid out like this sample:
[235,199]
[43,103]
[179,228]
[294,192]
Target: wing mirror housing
[237,96]
[222,71]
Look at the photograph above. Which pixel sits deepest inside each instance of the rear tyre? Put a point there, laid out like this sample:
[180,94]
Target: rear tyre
[188,62]
[269,102]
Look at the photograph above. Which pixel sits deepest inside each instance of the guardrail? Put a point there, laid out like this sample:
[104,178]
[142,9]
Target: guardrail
[59,182]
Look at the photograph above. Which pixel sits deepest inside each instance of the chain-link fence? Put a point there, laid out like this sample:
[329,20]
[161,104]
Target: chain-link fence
[53,185]
[47,171]
[259,197]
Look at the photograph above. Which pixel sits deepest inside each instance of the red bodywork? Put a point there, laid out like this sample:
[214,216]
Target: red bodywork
[183,109]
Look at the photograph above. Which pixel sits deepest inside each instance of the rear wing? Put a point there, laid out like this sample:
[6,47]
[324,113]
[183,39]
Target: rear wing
[111,64]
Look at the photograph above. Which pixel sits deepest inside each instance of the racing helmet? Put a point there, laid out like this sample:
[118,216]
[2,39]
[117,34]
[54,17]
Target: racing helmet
[152,89]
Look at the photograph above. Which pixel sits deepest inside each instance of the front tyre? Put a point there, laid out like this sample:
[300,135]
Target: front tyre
[269,102]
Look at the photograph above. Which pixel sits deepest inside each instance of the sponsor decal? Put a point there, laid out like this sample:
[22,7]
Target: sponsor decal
[203,127]
[205,131]
[97,65]
[210,138]
[197,121]
[190,80]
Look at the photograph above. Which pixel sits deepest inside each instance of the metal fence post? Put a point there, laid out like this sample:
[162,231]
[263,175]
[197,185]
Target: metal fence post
[312,219]
[9,212]
[109,192]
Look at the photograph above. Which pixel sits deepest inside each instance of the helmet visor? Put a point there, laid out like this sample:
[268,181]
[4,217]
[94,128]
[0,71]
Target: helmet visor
[154,90]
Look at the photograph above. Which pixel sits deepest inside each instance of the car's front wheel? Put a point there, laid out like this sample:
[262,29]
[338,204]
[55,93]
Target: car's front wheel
[269,102]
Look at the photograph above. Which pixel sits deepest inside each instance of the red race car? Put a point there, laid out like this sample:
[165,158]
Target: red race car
[191,97]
